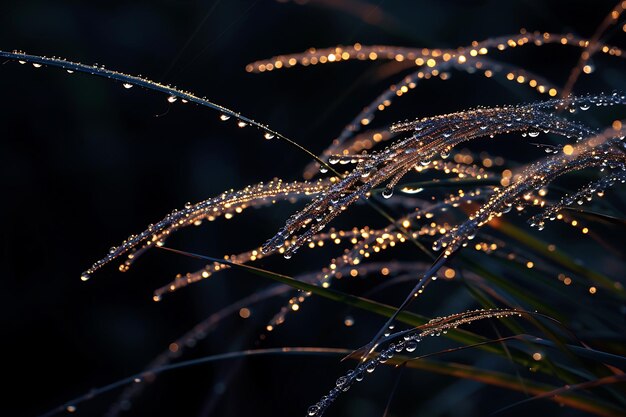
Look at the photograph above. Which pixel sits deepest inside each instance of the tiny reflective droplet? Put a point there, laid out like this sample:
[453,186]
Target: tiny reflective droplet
[224,117]
[268,135]
[127,85]
[313,410]
[171,99]
[85,277]
[411,346]
[241,123]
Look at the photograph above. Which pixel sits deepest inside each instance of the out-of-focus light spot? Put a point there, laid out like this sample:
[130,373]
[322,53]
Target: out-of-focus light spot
[568,149]
[244,313]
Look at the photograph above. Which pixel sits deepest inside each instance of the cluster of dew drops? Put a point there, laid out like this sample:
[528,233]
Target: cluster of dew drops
[408,343]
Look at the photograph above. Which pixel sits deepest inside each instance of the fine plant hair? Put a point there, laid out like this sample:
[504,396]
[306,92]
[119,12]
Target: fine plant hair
[474,191]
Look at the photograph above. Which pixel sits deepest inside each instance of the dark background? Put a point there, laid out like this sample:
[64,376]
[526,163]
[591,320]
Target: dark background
[84,163]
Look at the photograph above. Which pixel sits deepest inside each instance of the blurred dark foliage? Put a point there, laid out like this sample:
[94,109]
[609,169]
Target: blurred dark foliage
[85,163]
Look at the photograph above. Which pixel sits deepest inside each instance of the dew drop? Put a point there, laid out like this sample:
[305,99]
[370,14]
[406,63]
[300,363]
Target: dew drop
[224,117]
[268,135]
[387,192]
[127,85]
[36,65]
[411,346]
[85,277]
[313,410]
[171,99]
[241,123]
